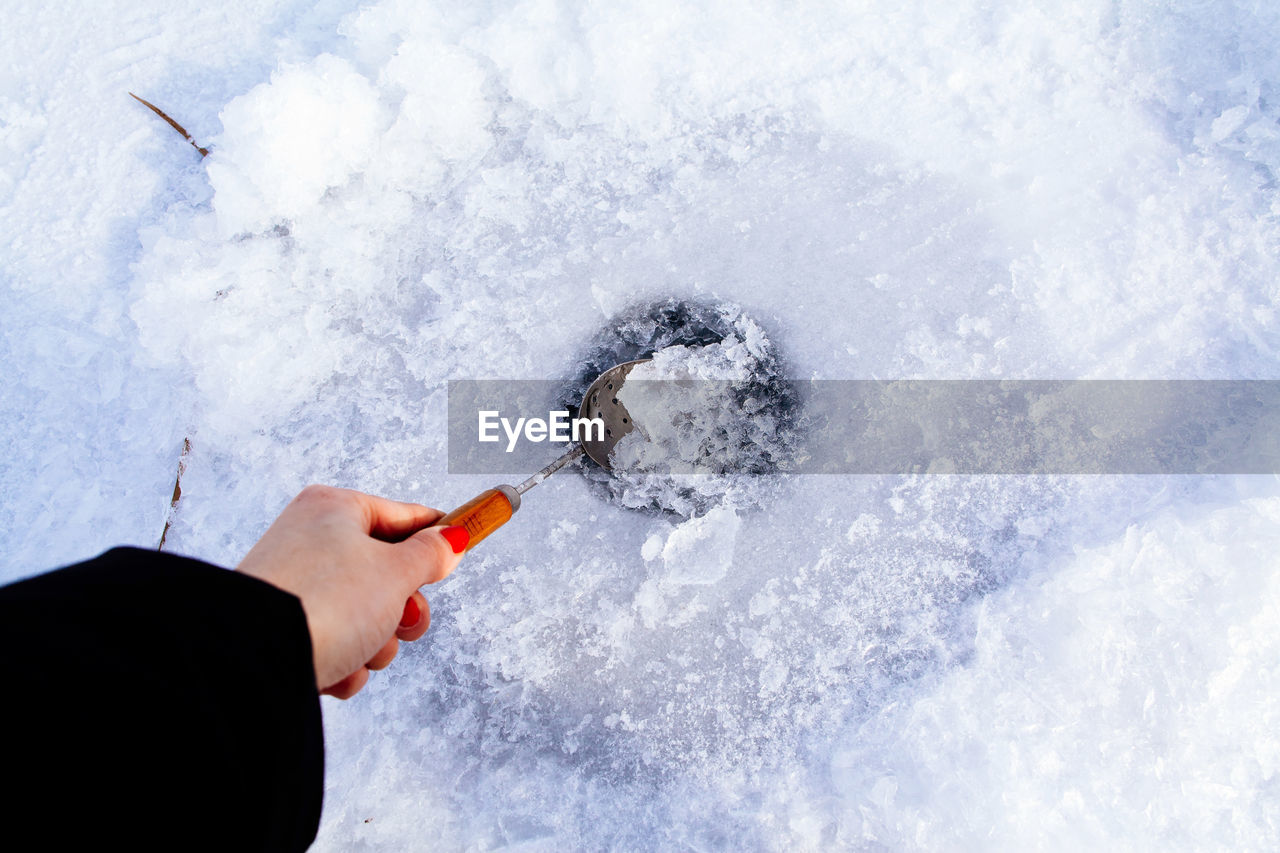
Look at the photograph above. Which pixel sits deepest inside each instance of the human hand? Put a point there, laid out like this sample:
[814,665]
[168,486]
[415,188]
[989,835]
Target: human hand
[356,562]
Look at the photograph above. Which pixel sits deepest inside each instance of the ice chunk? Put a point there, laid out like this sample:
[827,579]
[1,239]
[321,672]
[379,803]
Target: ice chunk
[1228,122]
[652,547]
[700,550]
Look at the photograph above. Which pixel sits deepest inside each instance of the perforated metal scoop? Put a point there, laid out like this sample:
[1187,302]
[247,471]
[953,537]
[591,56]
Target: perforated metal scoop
[601,401]
[492,508]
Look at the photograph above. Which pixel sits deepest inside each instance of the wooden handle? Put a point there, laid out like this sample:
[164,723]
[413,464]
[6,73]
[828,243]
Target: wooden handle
[483,514]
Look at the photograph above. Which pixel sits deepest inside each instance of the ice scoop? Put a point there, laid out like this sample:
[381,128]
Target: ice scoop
[492,508]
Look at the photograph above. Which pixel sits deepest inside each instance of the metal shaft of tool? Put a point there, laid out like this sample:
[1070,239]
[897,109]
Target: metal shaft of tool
[550,469]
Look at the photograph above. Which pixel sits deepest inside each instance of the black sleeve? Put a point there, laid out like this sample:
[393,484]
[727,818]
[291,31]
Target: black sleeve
[159,703]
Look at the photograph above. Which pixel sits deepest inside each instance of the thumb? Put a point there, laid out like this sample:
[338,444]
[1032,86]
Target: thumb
[433,552]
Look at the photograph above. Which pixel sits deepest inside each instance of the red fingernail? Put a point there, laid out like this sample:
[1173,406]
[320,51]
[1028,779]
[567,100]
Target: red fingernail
[458,537]
[412,613]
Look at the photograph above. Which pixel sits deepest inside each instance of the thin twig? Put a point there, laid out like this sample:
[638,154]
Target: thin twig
[203,151]
[177,491]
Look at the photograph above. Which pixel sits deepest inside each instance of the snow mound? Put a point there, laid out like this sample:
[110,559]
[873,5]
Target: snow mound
[1128,695]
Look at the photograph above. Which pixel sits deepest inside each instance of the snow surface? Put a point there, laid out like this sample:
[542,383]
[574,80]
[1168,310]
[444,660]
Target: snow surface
[407,192]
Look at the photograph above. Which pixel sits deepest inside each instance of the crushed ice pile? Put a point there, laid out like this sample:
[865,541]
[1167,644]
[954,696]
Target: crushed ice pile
[706,418]
[683,424]
[402,193]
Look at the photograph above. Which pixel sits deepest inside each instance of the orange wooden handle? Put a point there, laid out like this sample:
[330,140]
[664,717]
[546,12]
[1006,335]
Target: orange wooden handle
[481,515]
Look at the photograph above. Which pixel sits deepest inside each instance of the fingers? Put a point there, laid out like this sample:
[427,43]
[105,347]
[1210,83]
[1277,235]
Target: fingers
[356,681]
[392,520]
[385,655]
[349,686]
[416,619]
[433,553]
[381,518]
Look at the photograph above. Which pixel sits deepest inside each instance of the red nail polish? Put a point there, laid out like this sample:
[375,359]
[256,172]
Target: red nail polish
[412,613]
[457,537]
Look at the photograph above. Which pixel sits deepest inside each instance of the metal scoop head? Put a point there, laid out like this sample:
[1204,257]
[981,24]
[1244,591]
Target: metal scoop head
[600,401]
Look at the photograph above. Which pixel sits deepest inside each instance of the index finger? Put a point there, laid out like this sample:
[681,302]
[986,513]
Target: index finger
[393,521]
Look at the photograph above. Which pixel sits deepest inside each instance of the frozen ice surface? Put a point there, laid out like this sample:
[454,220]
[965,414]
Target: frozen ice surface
[700,550]
[403,193]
